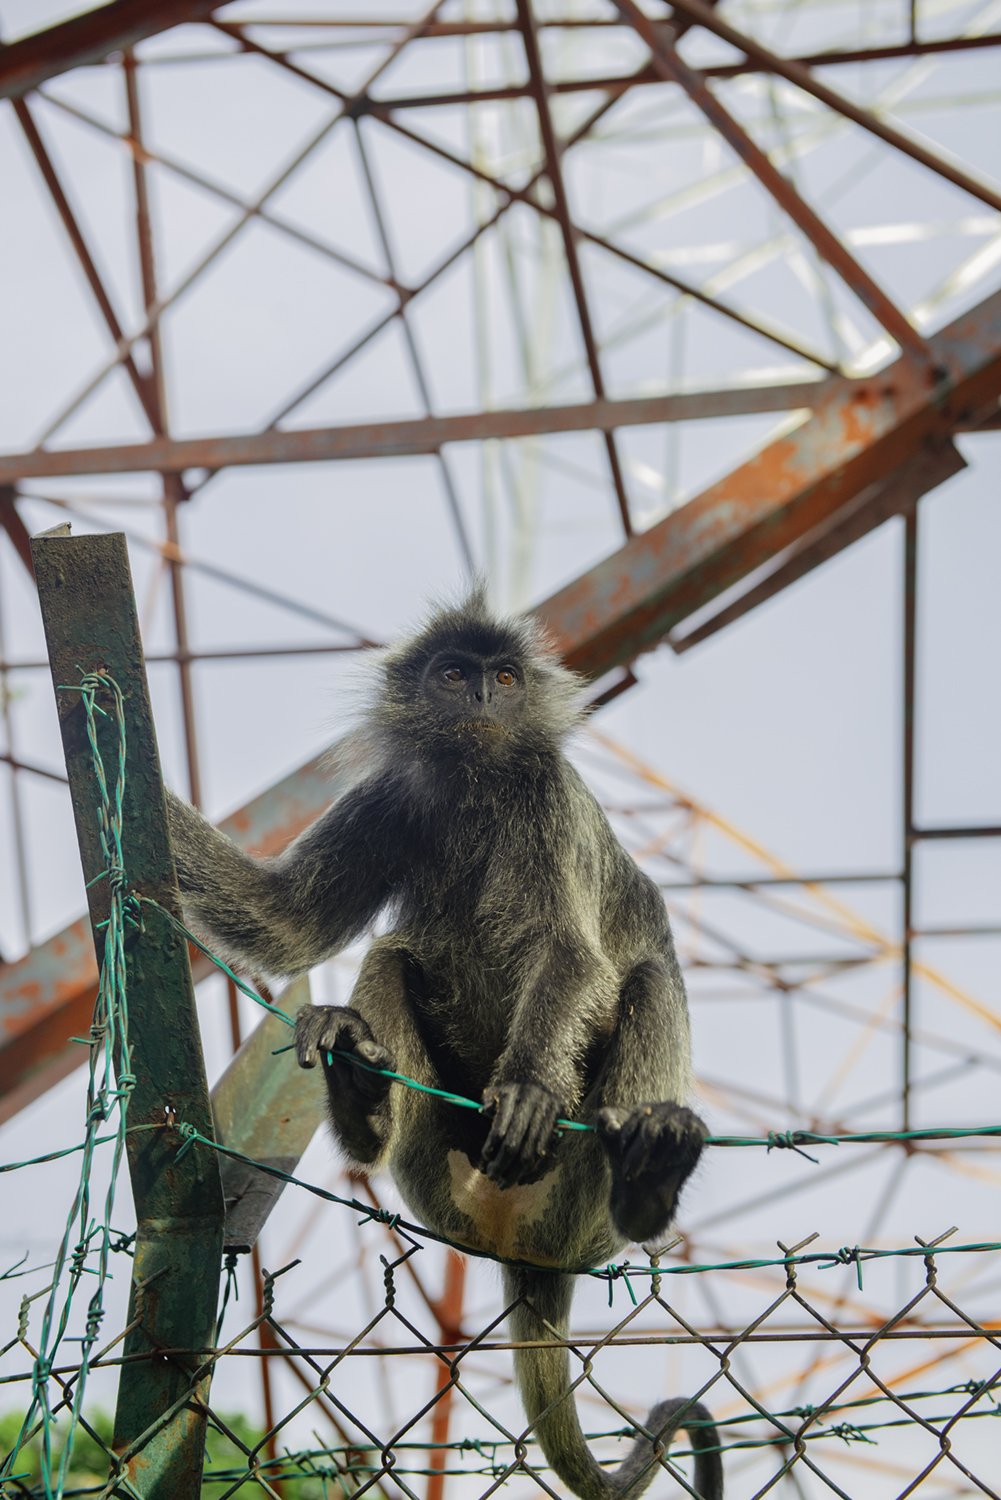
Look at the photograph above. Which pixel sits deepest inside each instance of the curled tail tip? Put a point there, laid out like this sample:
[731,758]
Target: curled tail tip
[541,1303]
[697,1420]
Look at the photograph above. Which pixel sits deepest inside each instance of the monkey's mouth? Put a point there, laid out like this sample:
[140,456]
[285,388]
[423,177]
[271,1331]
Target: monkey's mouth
[485,728]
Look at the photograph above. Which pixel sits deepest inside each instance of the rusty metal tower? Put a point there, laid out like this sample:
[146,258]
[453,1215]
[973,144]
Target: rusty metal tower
[645,310]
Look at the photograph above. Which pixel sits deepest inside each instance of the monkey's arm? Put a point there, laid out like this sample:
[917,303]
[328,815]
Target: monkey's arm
[568,997]
[567,1000]
[285,914]
[602,919]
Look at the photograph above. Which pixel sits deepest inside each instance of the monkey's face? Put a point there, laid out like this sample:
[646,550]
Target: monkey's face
[477,699]
[470,688]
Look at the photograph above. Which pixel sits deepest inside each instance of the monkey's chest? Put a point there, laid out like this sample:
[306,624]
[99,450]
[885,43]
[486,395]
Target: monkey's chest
[479,905]
[465,1014]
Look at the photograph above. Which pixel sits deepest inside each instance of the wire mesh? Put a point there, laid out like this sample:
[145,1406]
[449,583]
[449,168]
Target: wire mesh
[864,1415]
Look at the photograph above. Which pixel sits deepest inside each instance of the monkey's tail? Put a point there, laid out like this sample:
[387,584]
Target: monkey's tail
[543,1298]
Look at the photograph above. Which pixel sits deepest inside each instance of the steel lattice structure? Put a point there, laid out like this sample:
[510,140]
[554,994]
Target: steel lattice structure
[577,238]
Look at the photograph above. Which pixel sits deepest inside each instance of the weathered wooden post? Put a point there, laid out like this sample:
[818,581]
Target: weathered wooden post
[89,612]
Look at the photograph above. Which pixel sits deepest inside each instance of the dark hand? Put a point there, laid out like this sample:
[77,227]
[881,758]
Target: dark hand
[651,1149]
[521,1134]
[323,1029]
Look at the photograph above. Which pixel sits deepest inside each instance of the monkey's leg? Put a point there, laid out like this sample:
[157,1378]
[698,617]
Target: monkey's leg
[653,1142]
[355,1043]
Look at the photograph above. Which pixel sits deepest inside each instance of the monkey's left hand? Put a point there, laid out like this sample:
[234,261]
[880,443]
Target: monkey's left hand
[651,1150]
[524,1122]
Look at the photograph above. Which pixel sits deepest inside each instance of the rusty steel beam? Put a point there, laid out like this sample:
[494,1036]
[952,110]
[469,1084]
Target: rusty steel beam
[619,83]
[449,1313]
[614,83]
[141,383]
[48,995]
[90,38]
[144,152]
[799,75]
[554,171]
[969,831]
[17,764]
[859,435]
[423,435]
[223,653]
[912,47]
[45,998]
[230,233]
[931,465]
[510,195]
[523,194]
[436,29]
[673,69]
[173,492]
[839,56]
[10,521]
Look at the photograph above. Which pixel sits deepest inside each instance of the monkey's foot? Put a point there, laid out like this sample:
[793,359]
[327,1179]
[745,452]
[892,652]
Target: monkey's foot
[343,1034]
[521,1133]
[652,1149]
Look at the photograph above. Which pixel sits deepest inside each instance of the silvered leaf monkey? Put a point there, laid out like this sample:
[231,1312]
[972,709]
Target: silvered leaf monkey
[529,964]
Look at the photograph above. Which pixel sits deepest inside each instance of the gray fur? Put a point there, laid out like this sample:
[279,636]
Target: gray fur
[529,963]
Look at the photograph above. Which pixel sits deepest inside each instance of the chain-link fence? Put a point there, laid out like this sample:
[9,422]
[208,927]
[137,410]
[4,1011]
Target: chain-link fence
[877,1422]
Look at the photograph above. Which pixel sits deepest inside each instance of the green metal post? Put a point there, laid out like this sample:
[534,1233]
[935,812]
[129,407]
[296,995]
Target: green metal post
[89,612]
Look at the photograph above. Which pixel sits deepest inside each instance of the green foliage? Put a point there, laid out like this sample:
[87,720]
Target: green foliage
[225,1460]
[88,1463]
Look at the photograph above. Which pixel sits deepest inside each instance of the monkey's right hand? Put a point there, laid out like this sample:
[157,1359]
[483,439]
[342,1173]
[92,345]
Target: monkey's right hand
[522,1131]
[340,1039]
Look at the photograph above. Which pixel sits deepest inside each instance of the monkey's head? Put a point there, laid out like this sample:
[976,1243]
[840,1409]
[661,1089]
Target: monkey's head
[475,688]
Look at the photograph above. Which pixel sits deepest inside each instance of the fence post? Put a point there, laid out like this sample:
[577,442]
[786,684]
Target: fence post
[89,613]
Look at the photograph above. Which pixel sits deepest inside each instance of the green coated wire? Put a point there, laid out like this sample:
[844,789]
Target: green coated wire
[108,1044]
[825,1412]
[38,1161]
[291,1464]
[846,1255]
[774,1140]
[220,963]
[340,1460]
[276,1010]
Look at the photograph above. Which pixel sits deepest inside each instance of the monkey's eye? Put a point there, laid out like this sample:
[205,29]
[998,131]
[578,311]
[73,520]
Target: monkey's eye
[507,677]
[453,674]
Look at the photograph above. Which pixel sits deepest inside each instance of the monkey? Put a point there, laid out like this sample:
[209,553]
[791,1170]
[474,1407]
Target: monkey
[528,963]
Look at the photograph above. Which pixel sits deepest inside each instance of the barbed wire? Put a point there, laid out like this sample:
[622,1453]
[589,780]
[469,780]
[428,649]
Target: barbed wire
[108,1045]
[773,1140]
